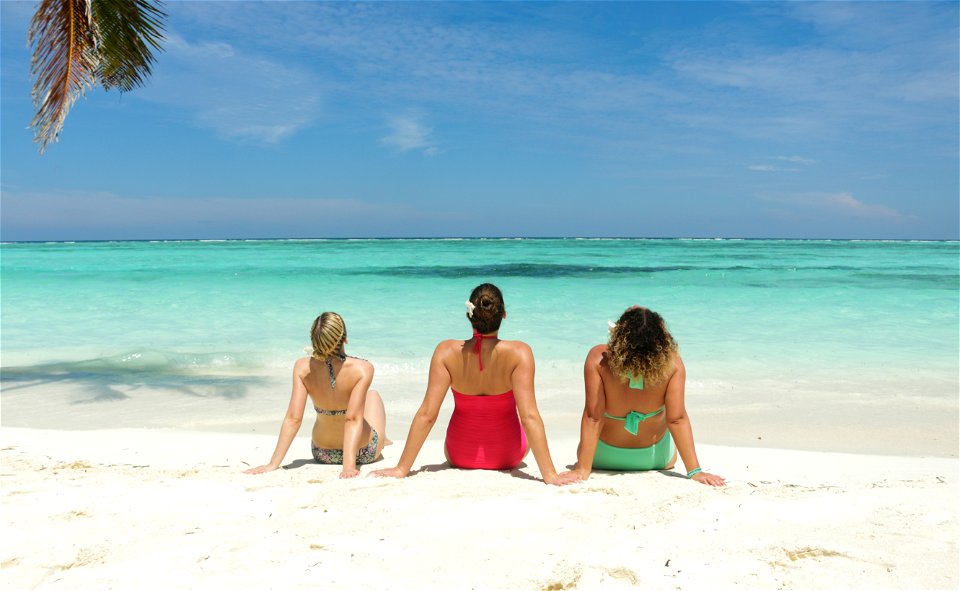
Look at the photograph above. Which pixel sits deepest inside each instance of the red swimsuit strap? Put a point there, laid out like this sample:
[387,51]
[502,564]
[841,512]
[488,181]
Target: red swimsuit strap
[478,338]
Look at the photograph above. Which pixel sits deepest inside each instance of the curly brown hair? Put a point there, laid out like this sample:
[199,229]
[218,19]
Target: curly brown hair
[641,346]
[488,308]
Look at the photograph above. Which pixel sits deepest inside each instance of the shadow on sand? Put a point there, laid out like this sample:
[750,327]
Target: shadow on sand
[103,381]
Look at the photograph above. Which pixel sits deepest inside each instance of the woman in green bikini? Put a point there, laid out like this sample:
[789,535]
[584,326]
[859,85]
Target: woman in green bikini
[634,409]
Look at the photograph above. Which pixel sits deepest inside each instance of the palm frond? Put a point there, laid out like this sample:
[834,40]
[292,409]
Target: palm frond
[64,63]
[128,31]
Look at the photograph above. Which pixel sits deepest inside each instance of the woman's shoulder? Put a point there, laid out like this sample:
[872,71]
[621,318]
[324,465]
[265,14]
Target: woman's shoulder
[597,351]
[448,345]
[359,364]
[678,366]
[596,354]
[518,348]
[303,368]
[446,349]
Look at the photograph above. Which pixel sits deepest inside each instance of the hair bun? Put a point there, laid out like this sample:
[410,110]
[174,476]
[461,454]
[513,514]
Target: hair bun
[489,308]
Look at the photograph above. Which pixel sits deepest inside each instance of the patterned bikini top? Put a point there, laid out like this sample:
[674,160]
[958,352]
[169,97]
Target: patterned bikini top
[333,384]
[333,378]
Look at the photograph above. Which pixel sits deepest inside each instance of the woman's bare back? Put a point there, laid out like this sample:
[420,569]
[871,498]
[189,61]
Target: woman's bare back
[500,358]
[328,429]
[621,399]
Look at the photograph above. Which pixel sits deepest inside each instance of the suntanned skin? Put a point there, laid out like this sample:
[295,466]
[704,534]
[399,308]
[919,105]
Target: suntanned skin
[507,365]
[610,393]
[350,431]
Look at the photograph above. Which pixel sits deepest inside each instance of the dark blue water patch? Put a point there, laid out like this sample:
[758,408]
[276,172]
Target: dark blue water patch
[785,274]
[531,270]
[794,274]
[535,270]
[930,280]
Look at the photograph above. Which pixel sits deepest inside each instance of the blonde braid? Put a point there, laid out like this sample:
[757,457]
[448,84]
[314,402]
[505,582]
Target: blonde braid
[327,335]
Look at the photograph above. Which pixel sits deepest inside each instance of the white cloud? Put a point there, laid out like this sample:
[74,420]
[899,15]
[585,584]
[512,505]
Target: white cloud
[82,215]
[408,133]
[239,96]
[870,66]
[416,54]
[796,159]
[517,73]
[839,204]
[847,203]
[776,168]
[769,168]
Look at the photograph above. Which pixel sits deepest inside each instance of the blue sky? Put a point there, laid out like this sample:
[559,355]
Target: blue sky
[794,120]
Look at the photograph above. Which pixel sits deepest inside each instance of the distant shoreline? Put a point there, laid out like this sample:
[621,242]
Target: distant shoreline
[481,238]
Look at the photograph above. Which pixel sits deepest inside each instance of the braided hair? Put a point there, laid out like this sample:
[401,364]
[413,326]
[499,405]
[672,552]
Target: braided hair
[327,335]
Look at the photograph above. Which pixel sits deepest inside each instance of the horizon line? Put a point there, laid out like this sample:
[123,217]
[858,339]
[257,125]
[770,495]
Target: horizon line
[387,238]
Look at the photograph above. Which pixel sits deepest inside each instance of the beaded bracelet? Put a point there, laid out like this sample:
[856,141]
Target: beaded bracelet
[694,472]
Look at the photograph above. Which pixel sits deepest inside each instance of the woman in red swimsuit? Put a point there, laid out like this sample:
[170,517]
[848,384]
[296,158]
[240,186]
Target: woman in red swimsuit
[492,381]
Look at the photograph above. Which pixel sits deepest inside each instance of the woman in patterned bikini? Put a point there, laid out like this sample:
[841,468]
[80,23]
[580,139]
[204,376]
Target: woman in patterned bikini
[351,421]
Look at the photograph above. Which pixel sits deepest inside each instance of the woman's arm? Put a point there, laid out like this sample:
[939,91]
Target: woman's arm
[522,383]
[353,421]
[291,421]
[592,421]
[437,386]
[679,424]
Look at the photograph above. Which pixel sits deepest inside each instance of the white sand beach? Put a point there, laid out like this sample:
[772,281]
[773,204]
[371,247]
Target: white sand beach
[508,184]
[171,509]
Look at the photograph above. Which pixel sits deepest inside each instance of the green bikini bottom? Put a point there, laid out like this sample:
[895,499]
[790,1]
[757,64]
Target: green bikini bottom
[655,457]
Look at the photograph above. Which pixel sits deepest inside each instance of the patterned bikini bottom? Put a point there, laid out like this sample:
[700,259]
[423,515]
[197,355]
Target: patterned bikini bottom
[365,455]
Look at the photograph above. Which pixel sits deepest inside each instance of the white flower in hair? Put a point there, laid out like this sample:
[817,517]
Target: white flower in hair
[470,308]
[611,326]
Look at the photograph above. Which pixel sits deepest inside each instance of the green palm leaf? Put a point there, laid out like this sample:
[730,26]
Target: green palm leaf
[78,43]
[128,32]
[64,62]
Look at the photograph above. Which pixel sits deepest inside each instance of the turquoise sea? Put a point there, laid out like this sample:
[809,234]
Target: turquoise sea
[762,324]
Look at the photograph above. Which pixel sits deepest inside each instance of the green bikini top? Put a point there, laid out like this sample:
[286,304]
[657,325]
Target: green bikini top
[632,421]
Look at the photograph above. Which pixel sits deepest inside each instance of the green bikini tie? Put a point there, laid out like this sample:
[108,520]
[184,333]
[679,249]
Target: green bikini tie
[636,382]
[632,421]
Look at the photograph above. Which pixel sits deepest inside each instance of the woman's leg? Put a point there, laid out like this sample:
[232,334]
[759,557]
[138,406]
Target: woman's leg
[672,462]
[375,414]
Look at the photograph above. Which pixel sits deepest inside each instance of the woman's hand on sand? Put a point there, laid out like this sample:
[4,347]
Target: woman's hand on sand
[396,472]
[710,479]
[261,469]
[349,473]
[572,476]
[555,480]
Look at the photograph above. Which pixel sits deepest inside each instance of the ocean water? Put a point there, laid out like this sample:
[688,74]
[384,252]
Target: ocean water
[762,324]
